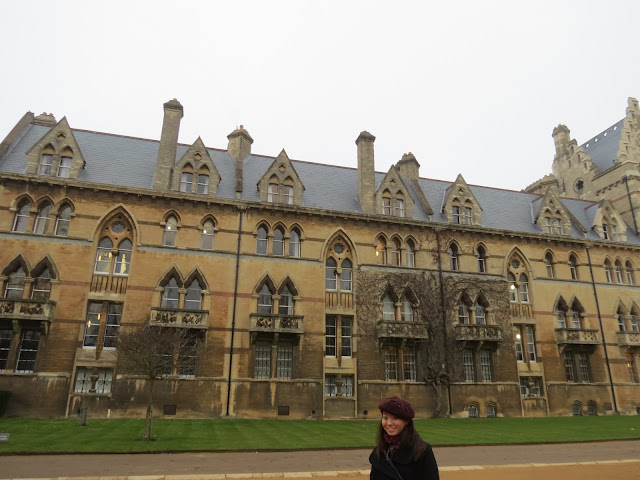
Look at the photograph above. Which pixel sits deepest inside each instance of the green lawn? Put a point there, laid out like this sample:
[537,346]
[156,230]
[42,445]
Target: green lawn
[173,435]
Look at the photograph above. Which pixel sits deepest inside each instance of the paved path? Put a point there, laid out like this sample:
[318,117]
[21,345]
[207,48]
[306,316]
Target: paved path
[453,460]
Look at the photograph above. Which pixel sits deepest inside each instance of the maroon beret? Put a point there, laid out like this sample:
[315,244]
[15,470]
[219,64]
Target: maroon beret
[398,407]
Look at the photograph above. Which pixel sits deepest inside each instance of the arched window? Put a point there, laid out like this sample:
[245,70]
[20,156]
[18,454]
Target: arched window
[634,323]
[381,251]
[575,314]
[331,275]
[64,170]
[15,284]
[592,408]
[123,259]
[170,233]
[388,309]
[285,304]
[286,192]
[193,298]
[46,162]
[42,218]
[481,257]
[398,205]
[186,182]
[410,253]
[207,235]
[171,294]
[346,274]
[21,219]
[561,313]
[63,221]
[273,190]
[407,309]
[265,300]
[631,279]
[103,256]
[524,288]
[453,257]
[607,271]
[395,252]
[573,267]
[467,211]
[42,286]
[619,276]
[294,243]
[203,182]
[262,241]
[577,409]
[386,202]
[620,316]
[481,314]
[463,312]
[548,261]
[491,410]
[513,290]
[278,242]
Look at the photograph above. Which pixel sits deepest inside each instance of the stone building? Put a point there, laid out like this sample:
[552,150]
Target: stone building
[317,290]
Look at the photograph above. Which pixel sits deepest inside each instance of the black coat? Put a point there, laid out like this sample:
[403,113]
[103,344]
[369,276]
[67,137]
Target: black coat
[424,468]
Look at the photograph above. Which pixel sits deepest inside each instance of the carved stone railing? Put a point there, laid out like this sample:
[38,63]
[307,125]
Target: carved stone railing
[628,339]
[409,330]
[107,283]
[262,322]
[520,310]
[577,336]
[343,300]
[20,309]
[478,333]
[174,317]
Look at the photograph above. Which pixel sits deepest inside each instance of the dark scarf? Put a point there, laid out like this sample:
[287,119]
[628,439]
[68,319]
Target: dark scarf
[393,442]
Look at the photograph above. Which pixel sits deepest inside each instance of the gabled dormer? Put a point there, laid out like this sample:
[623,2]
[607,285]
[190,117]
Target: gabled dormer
[392,196]
[460,204]
[608,223]
[56,154]
[195,172]
[280,183]
[552,216]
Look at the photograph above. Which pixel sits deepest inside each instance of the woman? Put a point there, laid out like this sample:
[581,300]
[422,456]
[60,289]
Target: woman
[400,453]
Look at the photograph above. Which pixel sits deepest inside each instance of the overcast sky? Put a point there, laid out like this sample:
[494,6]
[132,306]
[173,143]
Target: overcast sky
[471,87]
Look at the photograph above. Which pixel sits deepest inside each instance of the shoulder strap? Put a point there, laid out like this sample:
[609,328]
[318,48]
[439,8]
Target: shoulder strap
[388,457]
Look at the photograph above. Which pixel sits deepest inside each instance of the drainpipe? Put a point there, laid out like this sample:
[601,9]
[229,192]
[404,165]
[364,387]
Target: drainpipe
[604,343]
[633,215]
[444,318]
[233,314]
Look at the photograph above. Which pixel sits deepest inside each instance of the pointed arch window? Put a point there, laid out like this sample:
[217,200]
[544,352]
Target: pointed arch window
[410,255]
[193,298]
[262,240]
[573,267]
[21,219]
[513,290]
[331,275]
[186,182]
[481,257]
[123,258]
[63,221]
[170,233]
[207,235]
[575,315]
[42,286]
[171,294]
[64,170]
[285,304]
[398,205]
[278,242]
[481,314]
[294,243]
[524,288]
[42,219]
[346,274]
[453,257]
[619,274]
[634,323]
[466,213]
[620,317]
[463,313]
[388,309]
[631,280]
[548,261]
[203,183]
[46,164]
[287,191]
[15,284]
[103,256]
[386,202]
[607,271]
[381,251]
[265,300]
[395,252]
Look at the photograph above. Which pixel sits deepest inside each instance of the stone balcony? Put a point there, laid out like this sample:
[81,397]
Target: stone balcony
[274,323]
[577,336]
[628,339]
[402,330]
[478,333]
[520,310]
[20,309]
[174,317]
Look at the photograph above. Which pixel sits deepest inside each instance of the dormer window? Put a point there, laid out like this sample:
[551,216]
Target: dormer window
[46,164]
[203,184]
[64,169]
[398,206]
[186,182]
[280,193]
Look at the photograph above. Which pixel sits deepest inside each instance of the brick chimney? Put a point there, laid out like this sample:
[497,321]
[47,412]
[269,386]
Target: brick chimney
[239,149]
[168,144]
[409,167]
[366,172]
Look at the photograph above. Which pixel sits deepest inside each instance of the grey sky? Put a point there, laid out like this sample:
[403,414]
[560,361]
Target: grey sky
[469,87]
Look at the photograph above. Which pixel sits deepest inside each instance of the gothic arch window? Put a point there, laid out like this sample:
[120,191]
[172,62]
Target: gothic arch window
[265,300]
[410,253]
[398,205]
[262,240]
[123,257]
[395,252]
[609,229]
[103,256]
[608,271]
[202,186]
[193,297]
[467,210]
[464,309]
[381,251]
[634,320]
[207,234]
[346,276]
[339,267]
[286,192]
[21,218]
[42,218]
[576,315]
[63,220]
[549,265]
[186,179]
[524,288]
[45,165]
[331,274]
[573,267]
[518,280]
[386,202]
[170,232]
[619,272]
[115,248]
[388,308]
[481,311]
[171,294]
[481,258]
[294,243]
[407,309]
[285,303]
[561,309]
[620,316]
[278,241]
[552,222]
[513,289]
[280,192]
[631,278]
[66,159]
[14,285]
[453,257]
[41,288]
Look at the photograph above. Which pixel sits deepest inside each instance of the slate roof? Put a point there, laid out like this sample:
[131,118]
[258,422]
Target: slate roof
[603,148]
[130,162]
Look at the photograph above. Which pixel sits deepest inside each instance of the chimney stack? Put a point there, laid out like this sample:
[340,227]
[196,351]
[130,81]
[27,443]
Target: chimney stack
[239,149]
[561,138]
[409,167]
[168,144]
[366,172]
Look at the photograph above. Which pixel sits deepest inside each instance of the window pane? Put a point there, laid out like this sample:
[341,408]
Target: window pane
[485,366]
[284,361]
[83,380]
[113,325]
[92,325]
[265,300]
[347,332]
[294,244]
[46,161]
[480,315]
[390,364]
[15,284]
[285,304]
[203,184]
[409,364]
[170,232]
[388,309]
[193,298]
[261,241]
[330,281]
[262,368]
[28,351]
[42,220]
[63,221]
[6,335]
[346,276]
[123,259]
[42,287]
[21,219]
[346,389]
[65,167]
[330,336]
[469,367]
[170,295]
[278,242]
[330,386]
[186,180]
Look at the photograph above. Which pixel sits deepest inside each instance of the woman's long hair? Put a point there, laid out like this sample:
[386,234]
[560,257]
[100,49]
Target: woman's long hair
[408,438]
